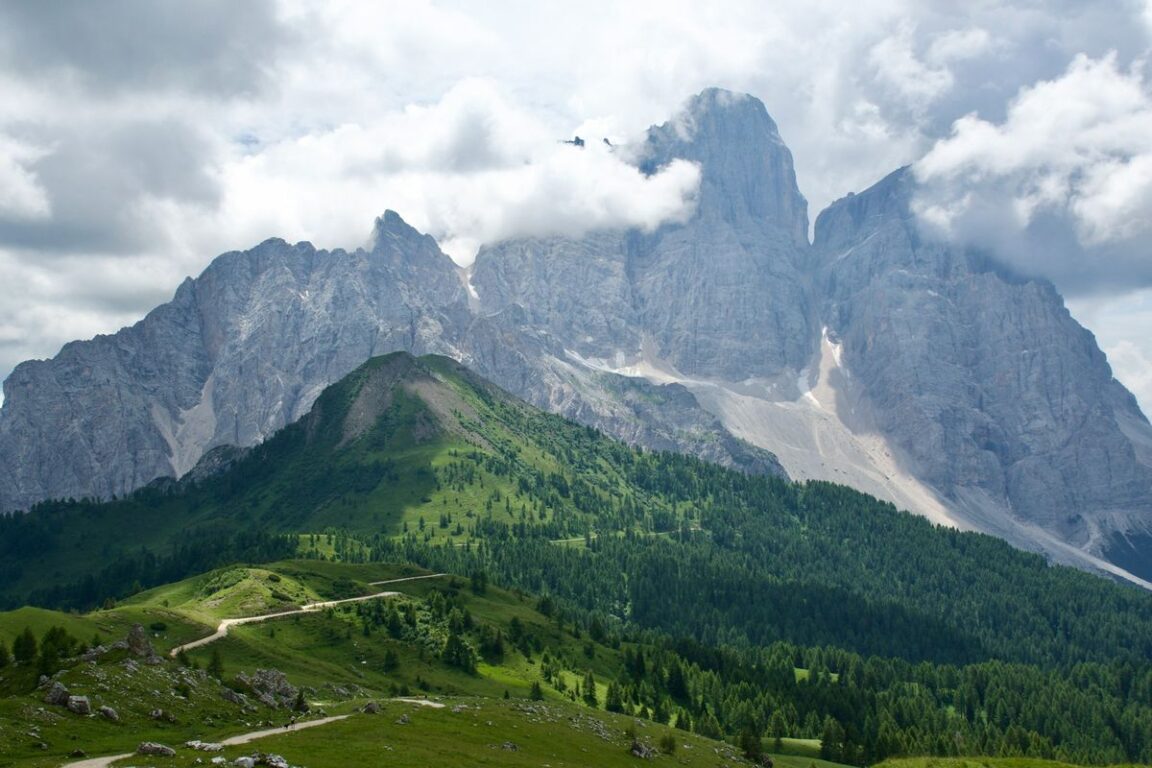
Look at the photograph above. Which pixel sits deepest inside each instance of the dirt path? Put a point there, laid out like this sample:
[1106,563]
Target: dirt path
[244,738]
[419,702]
[226,624]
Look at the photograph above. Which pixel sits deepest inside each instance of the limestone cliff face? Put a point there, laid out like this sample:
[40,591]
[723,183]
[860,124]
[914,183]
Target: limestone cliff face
[237,354]
[722,295]
[995,394]
[246,348]
[912,369]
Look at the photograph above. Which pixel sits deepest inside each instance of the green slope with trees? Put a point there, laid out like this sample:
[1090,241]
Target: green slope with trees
[917,639]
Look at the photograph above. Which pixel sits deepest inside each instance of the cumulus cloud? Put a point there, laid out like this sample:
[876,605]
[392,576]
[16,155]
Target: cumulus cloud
[216,47]
[1061,188]
[1133,365]
[474,167]
[1121,324]
[21,195]
[88,187]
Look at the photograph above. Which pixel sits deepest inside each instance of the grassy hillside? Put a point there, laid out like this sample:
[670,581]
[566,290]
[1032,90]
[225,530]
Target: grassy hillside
[696,593]
[340,658]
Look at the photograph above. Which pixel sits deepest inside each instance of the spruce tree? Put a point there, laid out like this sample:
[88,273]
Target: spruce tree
[589,688]
[613,702]
[24,647]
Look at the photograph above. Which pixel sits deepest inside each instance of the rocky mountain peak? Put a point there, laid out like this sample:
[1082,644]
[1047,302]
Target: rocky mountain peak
[748,175]
[888,200]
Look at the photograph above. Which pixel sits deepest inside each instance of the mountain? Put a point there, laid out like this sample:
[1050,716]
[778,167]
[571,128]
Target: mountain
[910,370]
[245,349]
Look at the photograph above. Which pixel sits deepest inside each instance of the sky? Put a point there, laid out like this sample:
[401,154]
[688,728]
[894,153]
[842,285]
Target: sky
[140,141]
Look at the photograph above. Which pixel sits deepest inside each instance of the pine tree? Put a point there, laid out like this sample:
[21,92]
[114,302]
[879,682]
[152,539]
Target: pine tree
[589,689]
[613,702]
[216,665]
[4,657]
[750,744]
[24,647]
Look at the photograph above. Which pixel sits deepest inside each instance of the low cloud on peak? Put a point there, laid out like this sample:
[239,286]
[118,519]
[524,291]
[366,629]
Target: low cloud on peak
[1061,188]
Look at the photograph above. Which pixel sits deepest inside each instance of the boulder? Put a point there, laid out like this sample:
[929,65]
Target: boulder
[270,686]
[93,654]
[641,750]
[139,644]
[155,749]
[371,708]
[204,746]
[109,714]
[80,705]
[57,694]
[228,694]
[244,762]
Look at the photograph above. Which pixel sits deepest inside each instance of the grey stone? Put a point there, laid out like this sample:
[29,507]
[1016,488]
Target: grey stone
[57,694]
[204,746]
[155,749]
[996,397]
[109,713]
[641,750]
[138,642]
[79,705]
[270,687]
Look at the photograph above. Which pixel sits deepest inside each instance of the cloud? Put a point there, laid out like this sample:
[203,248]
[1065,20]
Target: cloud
[899,69]
[1061,188]
[21,195]
[473,168]
[85,191]
[1133,365]
[1121,324]
[149,136]
[216,47]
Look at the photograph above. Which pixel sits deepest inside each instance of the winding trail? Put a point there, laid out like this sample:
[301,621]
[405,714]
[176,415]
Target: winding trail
[226,624]
[222,631]
[244,738]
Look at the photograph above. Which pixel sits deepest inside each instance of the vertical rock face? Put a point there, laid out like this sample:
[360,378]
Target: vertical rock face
[996,395]
[238,353]
[722,295]
[909,368]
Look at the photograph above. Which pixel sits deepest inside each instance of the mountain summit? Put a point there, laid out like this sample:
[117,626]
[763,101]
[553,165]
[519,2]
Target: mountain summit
[910,369]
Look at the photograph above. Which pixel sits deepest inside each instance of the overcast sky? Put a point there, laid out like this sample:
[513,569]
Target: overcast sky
[140,140]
